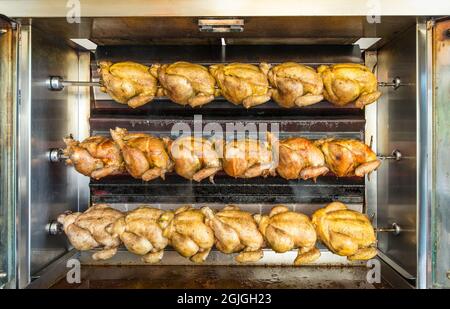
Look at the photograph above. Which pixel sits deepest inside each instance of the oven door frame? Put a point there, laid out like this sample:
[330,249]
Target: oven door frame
[9,41]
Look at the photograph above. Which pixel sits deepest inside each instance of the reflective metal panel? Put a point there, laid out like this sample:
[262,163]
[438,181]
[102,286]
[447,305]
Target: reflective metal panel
[8,107]
[45,190]
[441,159]
[396,180]
[424,142]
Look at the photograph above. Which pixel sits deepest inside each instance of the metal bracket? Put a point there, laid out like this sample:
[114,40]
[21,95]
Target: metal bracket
[394,229]
[57,83]
[396,83]
[54,228]
[395,155]
[221,25]
[56,155]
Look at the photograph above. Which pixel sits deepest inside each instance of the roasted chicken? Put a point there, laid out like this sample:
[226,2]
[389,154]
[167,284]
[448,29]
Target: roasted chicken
[242,83]
[87,230]
[349,82]
[145,155]
[348,157]
[300,158]
[188,233]
[345,232]
[127,82]
[247,158]
[195,158]
[295,85]
[95,157]
[236,231]
[140,233]
[186,83]
[285,230]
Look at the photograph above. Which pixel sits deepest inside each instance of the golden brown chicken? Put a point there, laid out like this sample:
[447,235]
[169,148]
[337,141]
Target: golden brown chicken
[348,157]
[188,233]
[300,158]
[242,83]
[295,85]
[349,82]
[247,158]
[345,232]
[145,156]
[186,83]
[127,82]
[87,230]
[236,231]
[285,230]
[95,157]
[195,158]
[140,233]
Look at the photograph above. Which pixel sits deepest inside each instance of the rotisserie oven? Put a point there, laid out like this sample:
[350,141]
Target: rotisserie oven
[223,148]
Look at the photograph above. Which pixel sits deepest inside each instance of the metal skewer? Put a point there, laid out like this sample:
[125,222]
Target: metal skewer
[56,155]
[57,83]
[396,82]
[395,155]
[395,229]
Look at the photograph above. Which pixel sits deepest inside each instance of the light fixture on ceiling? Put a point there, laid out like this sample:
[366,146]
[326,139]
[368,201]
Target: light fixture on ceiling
[365,43]
[85,43]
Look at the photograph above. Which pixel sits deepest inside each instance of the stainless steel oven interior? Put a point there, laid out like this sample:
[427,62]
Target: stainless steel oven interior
[410,55]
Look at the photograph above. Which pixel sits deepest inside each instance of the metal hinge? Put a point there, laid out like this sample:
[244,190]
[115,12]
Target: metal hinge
[221,25]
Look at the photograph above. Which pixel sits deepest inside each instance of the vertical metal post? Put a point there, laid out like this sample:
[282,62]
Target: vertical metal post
[424,151]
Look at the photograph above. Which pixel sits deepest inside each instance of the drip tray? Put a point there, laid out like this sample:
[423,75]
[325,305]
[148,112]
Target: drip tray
[228,277]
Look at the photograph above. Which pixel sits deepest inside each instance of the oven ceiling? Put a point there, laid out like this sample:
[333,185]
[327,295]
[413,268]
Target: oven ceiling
[96,8]
[257,30]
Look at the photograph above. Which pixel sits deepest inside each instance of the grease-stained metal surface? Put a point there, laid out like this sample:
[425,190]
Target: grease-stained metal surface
[397,126]
[208,277]
[8,116]
[441,159]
